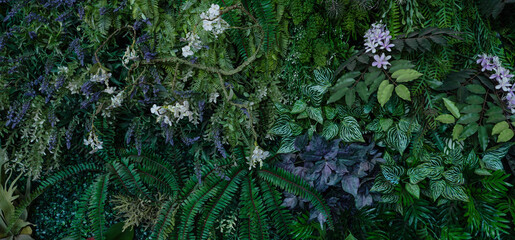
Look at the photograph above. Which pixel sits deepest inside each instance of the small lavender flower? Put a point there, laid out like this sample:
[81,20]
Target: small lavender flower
[143,38]
[14,10]
[52,141]
[86,88]
[167,132]
[198,172]
[68,137]
[381,61]
[137,142]
[121,6]
[81,13]
[60,81]
[102,11]
[62,17]
[52,118]
[218,143]
[147,54]
[189,141]
[129,134]
[75,45]
[201,106]
[33,35]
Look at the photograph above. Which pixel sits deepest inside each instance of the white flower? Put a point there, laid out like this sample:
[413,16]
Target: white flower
[155,109]
[62,69]
[74,88]
[130,54]
[194,41]
[504,83]
[117,100]
[212,22]
[186,51]
[258,155]
[213,97]
[110,90]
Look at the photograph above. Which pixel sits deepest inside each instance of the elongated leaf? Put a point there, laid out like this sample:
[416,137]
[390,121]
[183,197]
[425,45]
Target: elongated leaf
[403,92]
[445,118]
[384,92]
[451,107]
[406,75]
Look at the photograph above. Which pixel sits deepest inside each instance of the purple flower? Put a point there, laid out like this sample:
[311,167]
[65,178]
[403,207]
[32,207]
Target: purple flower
[75,45]
[102,11]
[504,84]
[33,35]
[143,38]
[121,6]
[81,13]
[501,73]
[218,143]
[381,61]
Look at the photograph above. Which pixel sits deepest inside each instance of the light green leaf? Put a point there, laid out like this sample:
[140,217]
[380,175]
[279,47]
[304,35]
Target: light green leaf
[384,92]
[385,123]
[499,127]
[315,114]
[445,118]
[413,189]
[406,75]
[299,107]
[456,131]
[350,131]
[403,92]
[482,172]
[451,107]
[505,135]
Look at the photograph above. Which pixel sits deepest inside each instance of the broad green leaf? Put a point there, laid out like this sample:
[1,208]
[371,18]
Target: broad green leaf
[472,109]
[476,88]
[400,64]
[384,92]
[362,91]
[495,118]
[330,130]
[392,173]
[451,107]
[456,131]
[493,156]
[499,127]
[474,99]
[413,189]
[287,145]
[469,118]
[445,118]
[482,172]
[505,135]
[454,175]
[350,97]
[385,123]
[403,92]
[350,237]
[494,110]
[469,130]
[453,192]
[299,107]
[437,188]
[397,139]
[350,131]
[337,95]
[370,77]
[406,75]
[315,114]
[482,136]
[330,112]
[381,185]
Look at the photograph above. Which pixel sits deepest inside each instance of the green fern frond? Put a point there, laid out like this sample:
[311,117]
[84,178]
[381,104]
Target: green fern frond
[295,185]
[96,206]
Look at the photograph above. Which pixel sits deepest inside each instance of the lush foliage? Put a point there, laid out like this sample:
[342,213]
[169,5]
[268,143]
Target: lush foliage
[257,119]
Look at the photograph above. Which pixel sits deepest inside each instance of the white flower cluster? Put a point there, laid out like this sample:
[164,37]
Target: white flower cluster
[101,77]
[258,155]
[93,141]
[178,111]
[502,76]
[212,22]
[194,44]
[213,97]
[379,36]
[116,101]
[130,55]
